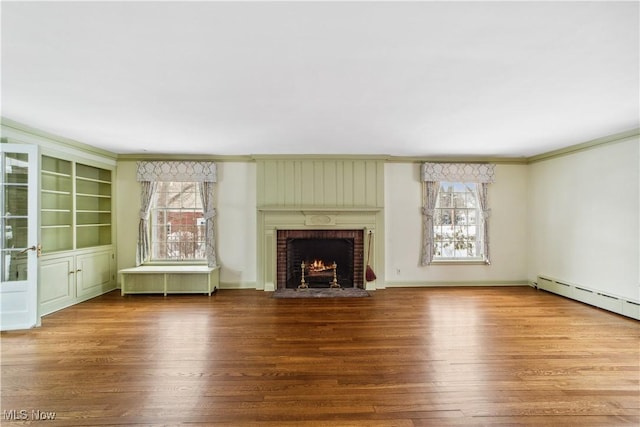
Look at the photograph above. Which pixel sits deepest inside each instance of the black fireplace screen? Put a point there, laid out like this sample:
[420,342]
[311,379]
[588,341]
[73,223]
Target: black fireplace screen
[323,259]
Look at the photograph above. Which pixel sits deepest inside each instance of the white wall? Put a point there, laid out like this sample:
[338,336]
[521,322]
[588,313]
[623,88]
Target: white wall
[236,220]
[584,227]
[545,220]
[403,229]
[574,218]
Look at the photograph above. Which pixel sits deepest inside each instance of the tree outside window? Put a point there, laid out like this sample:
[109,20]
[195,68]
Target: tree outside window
[177,225]
[457,222]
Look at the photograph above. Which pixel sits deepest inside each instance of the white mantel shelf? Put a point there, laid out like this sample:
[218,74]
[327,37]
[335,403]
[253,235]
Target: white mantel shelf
[317,209]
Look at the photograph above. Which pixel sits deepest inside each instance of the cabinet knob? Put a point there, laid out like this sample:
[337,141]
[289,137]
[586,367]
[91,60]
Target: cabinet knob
[79,270]
[71,272]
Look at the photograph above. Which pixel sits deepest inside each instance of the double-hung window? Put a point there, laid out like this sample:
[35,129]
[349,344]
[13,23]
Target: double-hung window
[455,211]
[457,223]
[177,225]
[177,212]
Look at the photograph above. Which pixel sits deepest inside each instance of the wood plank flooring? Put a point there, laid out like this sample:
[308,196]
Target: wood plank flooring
[403,357]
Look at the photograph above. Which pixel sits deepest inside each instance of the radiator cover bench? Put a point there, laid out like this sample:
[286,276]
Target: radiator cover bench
[169,279]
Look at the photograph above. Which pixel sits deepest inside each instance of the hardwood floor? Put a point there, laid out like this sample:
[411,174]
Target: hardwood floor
[403,357]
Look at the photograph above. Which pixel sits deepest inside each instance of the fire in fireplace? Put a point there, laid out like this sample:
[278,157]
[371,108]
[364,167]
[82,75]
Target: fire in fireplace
[320,259]
[328,258]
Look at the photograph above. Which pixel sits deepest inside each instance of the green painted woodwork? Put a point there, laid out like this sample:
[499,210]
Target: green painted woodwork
[76,209]
[611,139]
[292,192]
[330,182]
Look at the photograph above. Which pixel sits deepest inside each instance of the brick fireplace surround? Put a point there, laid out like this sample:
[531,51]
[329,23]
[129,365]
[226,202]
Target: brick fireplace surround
[346,223]
[281,251]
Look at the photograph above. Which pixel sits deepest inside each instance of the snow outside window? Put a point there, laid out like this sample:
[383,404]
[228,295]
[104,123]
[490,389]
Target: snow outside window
[457,223]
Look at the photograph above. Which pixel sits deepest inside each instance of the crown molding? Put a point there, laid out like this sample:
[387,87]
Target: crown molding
[382,157]
[388,158]
[193,157]
[31,133]
[456,159]
[46,138]
[572,149]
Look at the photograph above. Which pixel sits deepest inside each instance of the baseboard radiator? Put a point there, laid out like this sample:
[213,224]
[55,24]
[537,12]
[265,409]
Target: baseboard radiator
[590,296]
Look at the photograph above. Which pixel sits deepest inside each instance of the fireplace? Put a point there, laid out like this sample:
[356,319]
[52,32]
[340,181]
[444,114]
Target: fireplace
[327,257]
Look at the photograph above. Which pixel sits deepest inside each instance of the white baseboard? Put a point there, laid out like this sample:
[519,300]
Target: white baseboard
[238,285]
[590,296]
[438,284]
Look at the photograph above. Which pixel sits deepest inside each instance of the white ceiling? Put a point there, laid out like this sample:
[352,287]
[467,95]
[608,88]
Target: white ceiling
[504,79]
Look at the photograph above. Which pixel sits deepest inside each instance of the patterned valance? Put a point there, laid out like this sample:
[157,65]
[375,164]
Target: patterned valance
[458,172]
[177,171]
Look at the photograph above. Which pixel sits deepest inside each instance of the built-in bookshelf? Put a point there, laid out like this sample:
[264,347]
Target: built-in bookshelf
[76,218]
[56,204]
[93,206]
[75,205]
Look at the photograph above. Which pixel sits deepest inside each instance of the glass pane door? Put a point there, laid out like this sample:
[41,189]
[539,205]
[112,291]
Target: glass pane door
[15,216]
[19,233]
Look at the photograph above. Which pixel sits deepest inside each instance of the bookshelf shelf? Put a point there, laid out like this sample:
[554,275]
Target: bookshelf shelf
[74,197]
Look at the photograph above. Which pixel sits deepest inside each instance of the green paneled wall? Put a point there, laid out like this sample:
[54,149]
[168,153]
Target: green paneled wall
[320,182]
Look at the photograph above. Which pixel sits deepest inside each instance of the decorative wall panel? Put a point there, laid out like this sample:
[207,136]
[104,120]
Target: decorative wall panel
[321,182]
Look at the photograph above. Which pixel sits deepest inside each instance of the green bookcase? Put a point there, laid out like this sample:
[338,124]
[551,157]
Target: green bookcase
[56,205]
[93,206]
[75,205]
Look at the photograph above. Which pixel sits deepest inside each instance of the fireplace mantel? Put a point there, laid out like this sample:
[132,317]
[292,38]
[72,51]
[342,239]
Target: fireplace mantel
[319,209]
[272,219]
[318,194]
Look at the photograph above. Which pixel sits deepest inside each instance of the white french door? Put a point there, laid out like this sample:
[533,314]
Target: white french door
[19,236]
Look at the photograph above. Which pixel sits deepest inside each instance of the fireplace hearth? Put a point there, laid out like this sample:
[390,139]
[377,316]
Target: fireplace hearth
[329,258]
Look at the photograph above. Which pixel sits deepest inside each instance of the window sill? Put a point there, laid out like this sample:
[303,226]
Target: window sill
[459,262]
[160,263]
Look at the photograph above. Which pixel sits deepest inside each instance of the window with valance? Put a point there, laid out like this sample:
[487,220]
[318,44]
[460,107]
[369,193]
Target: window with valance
[183,192]
[455,211]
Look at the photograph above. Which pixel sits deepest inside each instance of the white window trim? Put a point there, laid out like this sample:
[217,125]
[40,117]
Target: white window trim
[190,261]
[458,261]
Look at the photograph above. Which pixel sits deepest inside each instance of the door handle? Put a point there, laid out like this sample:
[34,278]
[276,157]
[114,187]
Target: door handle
[37,248]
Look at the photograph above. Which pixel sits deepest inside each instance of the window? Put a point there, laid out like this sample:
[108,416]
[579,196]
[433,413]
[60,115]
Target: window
[455,211]
[457,223]
[177,197]
[177,224]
